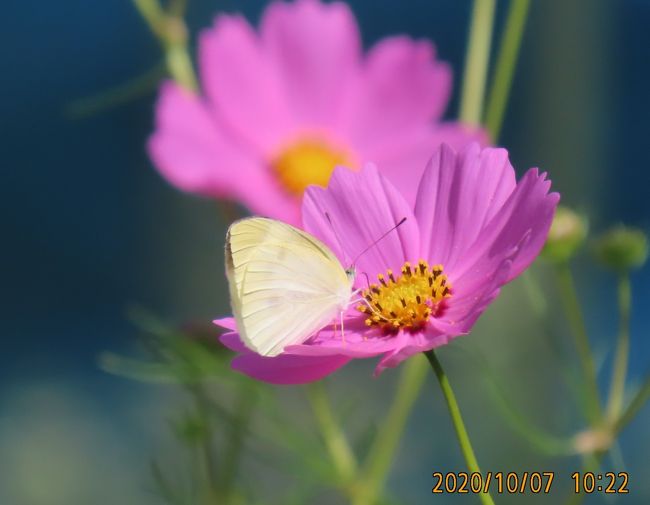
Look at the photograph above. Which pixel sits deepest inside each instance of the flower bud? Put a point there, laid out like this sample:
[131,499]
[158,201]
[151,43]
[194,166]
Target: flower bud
[593,440]
[622,248]
[567,234]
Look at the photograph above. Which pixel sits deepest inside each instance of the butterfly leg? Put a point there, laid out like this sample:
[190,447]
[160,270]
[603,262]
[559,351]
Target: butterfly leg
[342,327]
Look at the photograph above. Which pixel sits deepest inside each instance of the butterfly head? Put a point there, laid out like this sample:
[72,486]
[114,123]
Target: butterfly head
[351,274]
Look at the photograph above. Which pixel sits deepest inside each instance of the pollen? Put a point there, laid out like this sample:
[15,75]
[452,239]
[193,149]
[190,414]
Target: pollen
[407,300]
[310,160]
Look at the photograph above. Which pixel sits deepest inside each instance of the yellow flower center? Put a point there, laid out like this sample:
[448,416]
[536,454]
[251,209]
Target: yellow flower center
[308,161]
[408,301]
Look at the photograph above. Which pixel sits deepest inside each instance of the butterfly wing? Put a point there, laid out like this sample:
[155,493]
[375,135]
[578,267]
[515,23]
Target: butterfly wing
[284,284]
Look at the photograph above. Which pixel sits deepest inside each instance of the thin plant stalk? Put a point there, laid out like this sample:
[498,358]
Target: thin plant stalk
[638,401]
[177,7]
[335,441]
[457,419]
[617,389]
[139,86]
[476,62]
[574,314]
[153,13]
[169,28]
[505,66]
[381,453]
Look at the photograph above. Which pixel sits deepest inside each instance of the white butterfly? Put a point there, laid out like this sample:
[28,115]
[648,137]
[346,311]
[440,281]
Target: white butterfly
[284,284]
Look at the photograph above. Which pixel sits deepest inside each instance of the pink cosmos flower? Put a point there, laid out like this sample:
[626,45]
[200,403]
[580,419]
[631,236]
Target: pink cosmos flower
[283,106]
[472,229]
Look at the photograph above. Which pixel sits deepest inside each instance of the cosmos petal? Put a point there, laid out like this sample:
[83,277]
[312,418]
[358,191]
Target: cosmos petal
[315,49]
[458,194]
[354,211]
[234,68]
[378,108]
[288,368]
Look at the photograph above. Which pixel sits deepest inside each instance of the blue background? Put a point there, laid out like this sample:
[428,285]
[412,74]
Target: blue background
[90,229]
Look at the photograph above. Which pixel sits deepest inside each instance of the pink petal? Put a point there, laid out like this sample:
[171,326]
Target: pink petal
[334,347]
[466,305]
[402,86]
[404,156]
[315,47]
[416,344]
[362,206]
[283,369]
[227,323]
[232,341]
[242,84]
[288,369]
[187,144]
[518,231]
[457,197]
[458,135]
[482,226]
[194,153]
[358,341]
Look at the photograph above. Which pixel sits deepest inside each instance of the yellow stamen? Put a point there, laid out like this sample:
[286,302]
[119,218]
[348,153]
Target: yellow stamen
[408,301]
[308,161]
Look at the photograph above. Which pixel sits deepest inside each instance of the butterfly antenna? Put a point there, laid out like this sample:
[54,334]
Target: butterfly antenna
[378,240]
[336,235]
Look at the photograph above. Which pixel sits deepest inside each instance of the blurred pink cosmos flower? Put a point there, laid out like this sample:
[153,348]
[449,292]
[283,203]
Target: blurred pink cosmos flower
[281,108]
[472,229]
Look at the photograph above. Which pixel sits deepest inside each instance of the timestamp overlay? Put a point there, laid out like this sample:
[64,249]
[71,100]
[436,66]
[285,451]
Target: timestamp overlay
[608,482]
[526,482]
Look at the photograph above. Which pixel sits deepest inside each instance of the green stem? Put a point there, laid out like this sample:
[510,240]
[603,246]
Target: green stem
[179,63]
[576,321]
[339,450]
[617,389]
[380,456]
[476,62]
[177,7]
[638,401]
[171,31]
[505,66]
[457,419]
[141,85]
[153,14]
